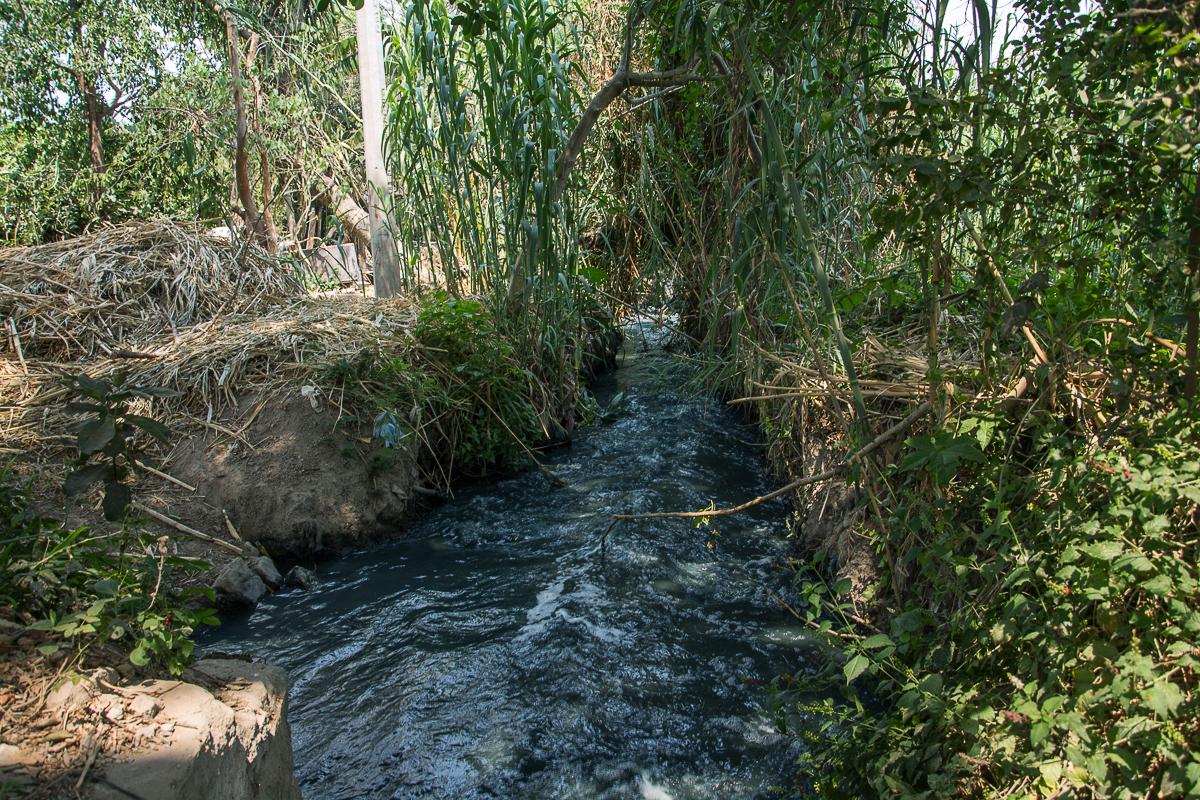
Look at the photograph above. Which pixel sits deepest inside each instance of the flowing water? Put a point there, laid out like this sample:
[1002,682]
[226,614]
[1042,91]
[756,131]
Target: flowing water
[499,651]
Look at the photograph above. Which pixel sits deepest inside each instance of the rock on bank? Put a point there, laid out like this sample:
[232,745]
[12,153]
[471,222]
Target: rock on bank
[223,733]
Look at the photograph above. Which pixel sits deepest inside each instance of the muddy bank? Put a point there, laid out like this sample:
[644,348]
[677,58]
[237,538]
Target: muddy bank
[299,482]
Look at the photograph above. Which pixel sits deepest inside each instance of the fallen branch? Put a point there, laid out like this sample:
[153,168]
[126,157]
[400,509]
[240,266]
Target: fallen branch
[165,476]
[833,472]
[229,527]
[179,526]
[92,745]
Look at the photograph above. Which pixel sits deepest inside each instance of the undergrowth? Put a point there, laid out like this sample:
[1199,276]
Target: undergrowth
[81,587]
[1050,644]
[465,393]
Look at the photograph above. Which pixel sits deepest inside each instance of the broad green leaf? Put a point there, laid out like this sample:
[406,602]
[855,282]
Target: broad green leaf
[138,656]
[855,667]
[81,479]
[1163,698]
[877,642]
[95,434]
[116,501]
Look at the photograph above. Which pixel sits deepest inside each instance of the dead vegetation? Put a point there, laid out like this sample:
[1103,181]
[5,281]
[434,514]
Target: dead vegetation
[169,306]
[110,292]
[239,338]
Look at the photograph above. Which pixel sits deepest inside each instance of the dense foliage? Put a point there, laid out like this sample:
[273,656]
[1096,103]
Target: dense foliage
[1048,642]
[116,110]
[1006,229]
[465,394]
[83,587]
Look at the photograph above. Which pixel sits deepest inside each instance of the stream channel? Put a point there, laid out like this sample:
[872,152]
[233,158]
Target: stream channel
[498,651]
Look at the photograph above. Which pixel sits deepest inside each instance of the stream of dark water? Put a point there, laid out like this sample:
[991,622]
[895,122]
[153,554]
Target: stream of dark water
[498,651]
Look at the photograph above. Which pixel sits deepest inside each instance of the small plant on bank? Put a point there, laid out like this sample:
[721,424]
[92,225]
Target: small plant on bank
[106,437]
[464,392]
[83,588]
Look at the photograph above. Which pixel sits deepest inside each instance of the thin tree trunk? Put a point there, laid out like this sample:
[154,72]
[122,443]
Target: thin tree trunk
[266,219]
[241,168]
[1192,301]
[96,112]
[621,81]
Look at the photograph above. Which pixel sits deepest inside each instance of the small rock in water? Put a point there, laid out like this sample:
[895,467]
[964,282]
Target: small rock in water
[301,577]
[267,570]
[238,585]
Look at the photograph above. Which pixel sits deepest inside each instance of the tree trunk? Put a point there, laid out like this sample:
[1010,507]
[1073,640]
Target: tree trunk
[241,167]
[354,218]
[96,112]
[1192,301]
[621,81]
[371,83]
[266,219]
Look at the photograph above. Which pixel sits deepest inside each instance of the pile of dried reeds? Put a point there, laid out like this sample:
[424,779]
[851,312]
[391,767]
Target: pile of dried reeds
[215,321]
[107,292]
[890,365]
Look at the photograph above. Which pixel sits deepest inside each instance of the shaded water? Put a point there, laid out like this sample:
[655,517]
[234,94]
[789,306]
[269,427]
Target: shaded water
[498,651]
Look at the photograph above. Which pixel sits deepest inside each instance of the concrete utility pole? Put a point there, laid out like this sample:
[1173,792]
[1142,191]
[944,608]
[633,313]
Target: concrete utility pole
[371,83]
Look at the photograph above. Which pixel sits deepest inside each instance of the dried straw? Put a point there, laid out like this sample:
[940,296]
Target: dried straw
[108,292]
[164,303]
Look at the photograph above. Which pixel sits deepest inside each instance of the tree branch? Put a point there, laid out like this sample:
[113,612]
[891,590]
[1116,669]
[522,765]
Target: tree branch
[833,472]
[616,86]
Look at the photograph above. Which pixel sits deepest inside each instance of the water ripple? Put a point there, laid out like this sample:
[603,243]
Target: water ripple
[499,652]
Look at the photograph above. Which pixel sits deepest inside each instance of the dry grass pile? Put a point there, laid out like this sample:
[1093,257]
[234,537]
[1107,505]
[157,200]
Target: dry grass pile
[893,365]
[110,291]
[170,308]
[890,365]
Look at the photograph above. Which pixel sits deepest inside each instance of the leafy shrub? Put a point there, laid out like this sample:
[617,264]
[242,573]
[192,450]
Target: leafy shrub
[484,382]
[1052,648]
[84,587]
[464,391]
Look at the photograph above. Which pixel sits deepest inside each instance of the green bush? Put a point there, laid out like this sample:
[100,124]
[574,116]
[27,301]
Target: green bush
[82,587]
[1052,645]
[486,386]
[464,391]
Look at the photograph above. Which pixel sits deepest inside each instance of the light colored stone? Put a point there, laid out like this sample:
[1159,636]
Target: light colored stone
[144,705]
[10,756]
[230,741]
[238,585]
[115,712]
[74,691]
